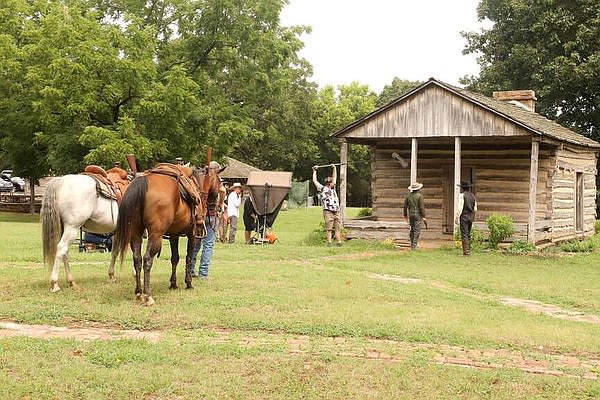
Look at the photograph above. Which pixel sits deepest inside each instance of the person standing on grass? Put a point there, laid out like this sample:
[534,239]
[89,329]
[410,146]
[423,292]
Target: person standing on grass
[331,205]
[211,222]
[234,201]
[467,205]
[414,212]
[249,216]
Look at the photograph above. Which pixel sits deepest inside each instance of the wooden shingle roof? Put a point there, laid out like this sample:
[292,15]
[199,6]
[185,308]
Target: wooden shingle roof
[531,121]
[236,169]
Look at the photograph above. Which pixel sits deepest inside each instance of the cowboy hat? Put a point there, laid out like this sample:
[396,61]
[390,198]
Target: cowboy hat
[415,186]
[237,184]
[465,184]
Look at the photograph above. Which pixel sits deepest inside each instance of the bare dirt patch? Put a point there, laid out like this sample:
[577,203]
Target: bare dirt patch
[8,329]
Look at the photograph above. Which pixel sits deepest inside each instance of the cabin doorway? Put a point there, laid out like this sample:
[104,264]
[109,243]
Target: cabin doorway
[467,173]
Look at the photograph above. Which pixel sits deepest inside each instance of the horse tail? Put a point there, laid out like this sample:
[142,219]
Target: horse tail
[131,213]
[52,226]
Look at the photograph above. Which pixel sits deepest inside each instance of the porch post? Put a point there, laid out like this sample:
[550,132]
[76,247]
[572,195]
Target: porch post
[343,177]
[533,173]
[413,161]
[457,169]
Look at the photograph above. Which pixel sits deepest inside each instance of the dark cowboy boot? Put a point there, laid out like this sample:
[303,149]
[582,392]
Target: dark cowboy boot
[466,245]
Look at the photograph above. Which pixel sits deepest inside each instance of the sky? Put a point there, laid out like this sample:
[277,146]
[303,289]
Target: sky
[373,41]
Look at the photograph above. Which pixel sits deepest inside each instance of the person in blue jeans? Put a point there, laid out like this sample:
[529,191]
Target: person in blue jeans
[207,244]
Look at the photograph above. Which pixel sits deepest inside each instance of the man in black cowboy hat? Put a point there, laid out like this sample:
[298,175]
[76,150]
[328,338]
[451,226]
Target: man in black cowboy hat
[467,204]
[414,212]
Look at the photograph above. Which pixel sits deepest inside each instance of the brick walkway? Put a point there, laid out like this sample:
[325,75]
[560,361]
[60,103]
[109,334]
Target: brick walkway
[537,362]
[574,366]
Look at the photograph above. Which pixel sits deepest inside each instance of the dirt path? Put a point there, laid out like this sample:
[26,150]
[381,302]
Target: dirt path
[532,306]
[567,365]
[538,362]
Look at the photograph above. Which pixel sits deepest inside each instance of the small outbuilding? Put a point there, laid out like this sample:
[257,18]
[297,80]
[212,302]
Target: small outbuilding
[520,163]
[236,171]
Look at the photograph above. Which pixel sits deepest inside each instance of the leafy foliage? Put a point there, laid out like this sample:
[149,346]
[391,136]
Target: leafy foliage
[397,88]
[365,212]
[521,246]
[552,47]
[477,239]
[501,228]
[580,246]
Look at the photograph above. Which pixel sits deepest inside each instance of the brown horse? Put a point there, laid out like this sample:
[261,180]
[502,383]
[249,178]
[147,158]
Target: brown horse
[162,202]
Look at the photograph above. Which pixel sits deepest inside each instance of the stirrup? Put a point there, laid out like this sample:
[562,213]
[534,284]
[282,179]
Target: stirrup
[200,233]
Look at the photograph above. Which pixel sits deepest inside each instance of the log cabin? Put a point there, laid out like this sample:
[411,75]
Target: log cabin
[520,163]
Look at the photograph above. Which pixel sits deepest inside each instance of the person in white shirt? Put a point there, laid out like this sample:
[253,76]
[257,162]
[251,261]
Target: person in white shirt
[234,201]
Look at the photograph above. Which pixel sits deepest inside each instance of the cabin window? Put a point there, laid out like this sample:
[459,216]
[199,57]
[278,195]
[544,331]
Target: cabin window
[579,201]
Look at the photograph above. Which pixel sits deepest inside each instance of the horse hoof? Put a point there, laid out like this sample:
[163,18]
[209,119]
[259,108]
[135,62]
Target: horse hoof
[139,298]
[173,287]
[55,288]
[149,301]
[189,286]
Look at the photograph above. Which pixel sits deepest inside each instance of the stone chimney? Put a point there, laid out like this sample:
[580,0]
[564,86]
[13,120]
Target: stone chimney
[524,98]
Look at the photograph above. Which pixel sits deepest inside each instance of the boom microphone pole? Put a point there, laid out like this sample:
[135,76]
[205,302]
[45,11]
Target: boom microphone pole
[329,165]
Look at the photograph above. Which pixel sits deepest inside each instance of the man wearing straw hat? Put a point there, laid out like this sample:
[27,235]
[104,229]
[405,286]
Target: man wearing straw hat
[414,212]
[234,201]
[467,205]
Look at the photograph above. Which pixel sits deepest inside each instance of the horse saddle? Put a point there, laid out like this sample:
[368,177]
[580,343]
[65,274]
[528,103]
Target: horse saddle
[110,184]
[188,188]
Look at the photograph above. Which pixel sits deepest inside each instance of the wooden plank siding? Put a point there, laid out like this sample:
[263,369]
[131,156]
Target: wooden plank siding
[435,112]
[496,143]
[501,173]
[568,161]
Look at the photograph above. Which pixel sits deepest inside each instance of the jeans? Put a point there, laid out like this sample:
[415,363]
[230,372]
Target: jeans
[207,245]
[233,229]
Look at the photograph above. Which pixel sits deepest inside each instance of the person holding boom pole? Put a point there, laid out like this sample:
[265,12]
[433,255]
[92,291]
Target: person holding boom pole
[331,204]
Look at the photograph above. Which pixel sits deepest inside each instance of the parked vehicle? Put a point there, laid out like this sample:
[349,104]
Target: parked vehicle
[5,184]
[17,181]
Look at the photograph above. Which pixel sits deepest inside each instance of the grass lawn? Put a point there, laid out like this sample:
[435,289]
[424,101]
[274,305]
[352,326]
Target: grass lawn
[301,320]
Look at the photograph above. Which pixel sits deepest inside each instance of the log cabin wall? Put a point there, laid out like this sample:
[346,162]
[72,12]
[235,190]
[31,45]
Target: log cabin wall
[499,171]
[574,172]
[496,140]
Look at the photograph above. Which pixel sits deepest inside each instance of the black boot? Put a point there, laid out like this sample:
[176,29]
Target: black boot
[466,245]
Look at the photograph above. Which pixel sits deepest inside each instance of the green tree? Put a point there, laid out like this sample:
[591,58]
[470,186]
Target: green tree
[337,109]
[397,88]
[552,47]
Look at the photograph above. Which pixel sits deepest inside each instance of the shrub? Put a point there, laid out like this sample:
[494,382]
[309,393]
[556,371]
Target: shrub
[597,226]
[365,212]
[477,239]
[319,235]
[578,246]
[501,228]
[521,246]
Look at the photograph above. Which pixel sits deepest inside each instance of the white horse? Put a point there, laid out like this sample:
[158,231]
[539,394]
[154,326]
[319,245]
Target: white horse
[70,203]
